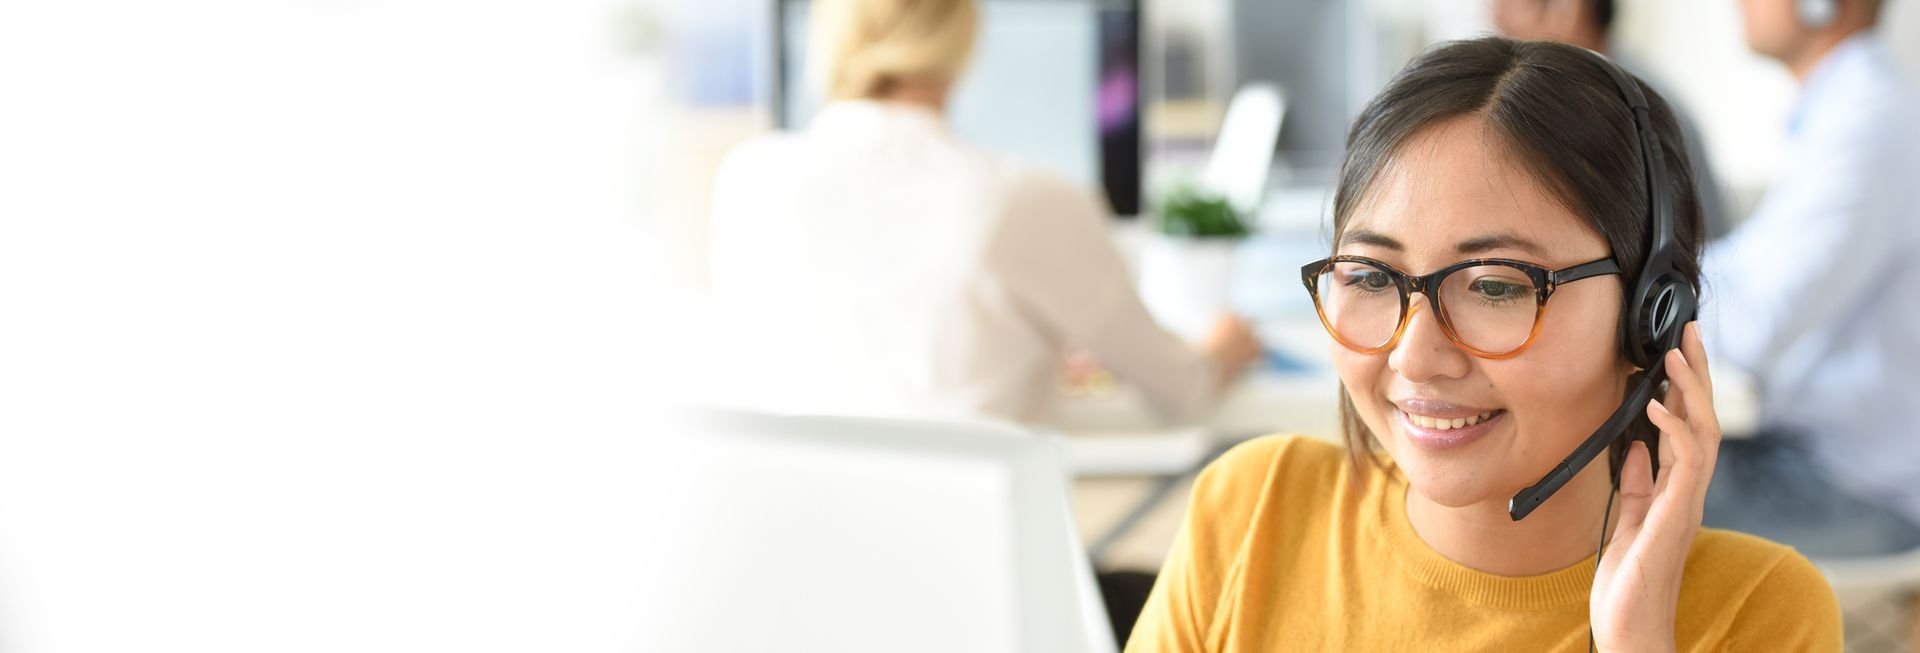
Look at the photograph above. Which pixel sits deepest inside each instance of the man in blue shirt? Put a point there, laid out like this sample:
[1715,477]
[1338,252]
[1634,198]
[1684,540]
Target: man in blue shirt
[1818,296]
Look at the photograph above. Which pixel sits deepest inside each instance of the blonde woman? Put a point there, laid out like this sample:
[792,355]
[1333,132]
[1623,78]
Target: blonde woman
[875,263]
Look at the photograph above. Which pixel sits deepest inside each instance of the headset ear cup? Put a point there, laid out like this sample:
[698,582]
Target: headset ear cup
[1633,340]
[1816,14]
[1638,331]
[1668,305]
[1656,315]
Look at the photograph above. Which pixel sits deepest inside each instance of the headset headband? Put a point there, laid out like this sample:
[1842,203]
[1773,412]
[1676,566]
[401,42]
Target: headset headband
[1658,304]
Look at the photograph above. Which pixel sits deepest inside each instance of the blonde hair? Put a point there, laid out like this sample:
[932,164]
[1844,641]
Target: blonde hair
[862,48]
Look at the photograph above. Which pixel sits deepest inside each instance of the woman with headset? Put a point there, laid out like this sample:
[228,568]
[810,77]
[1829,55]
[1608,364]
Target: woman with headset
[876,263]
[1516,247]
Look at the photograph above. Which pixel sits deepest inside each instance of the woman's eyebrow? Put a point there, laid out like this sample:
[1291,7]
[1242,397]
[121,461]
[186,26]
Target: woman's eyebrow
[1374,238]
[1469,246]
[1499,241]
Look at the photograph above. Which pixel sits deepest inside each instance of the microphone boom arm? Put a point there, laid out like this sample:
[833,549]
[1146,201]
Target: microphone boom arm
[1632,408]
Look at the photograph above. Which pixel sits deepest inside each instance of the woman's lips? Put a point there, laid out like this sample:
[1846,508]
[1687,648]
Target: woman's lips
[1434,436]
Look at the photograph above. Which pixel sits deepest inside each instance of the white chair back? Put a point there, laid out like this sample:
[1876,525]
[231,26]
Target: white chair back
[845,534]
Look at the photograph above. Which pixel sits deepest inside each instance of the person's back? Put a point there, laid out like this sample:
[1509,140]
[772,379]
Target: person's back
[864,253]
[877,265]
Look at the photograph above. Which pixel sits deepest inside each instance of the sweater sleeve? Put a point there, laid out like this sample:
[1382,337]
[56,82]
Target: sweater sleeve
[1197,575]
[1054,255]
[1792,608]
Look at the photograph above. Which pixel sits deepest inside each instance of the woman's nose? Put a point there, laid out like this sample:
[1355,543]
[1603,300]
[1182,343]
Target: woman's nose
[1424,352]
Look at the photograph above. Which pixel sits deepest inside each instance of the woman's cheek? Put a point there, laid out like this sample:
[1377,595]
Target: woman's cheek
[1362,376]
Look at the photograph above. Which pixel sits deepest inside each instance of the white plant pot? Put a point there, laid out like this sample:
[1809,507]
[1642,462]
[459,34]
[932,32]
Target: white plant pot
[1185,282]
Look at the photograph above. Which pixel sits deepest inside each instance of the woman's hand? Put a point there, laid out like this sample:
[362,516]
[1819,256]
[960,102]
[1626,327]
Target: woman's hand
[1231,345]
[1636,589]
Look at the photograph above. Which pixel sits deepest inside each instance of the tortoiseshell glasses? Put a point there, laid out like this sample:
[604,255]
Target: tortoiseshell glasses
[1489,307]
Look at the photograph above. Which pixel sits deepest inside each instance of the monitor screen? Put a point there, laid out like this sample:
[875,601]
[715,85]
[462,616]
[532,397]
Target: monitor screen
[1052,82]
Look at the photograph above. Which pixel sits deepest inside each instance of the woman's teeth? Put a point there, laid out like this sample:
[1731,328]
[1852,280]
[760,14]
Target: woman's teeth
[1443,424]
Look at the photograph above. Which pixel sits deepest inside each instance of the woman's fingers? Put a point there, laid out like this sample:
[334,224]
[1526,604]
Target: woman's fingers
[1675,400]
[1683,477]
[1695,354]
[1676,436]
[1702,422]
[1663,512]
[1636,490]
[1696,351]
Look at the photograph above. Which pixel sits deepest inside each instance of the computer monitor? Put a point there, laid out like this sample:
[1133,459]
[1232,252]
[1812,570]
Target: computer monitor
[1052,82]
[1315,50]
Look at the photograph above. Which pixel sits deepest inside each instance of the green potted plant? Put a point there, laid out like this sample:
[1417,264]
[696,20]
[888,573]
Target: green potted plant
[1187,212]
[1187,262]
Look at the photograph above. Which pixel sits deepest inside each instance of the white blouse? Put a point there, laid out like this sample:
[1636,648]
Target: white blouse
[875,264]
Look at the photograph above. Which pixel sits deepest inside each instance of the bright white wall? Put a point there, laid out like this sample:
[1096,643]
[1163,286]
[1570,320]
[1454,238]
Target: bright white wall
[322,327]
[1738,99]
[1902,25]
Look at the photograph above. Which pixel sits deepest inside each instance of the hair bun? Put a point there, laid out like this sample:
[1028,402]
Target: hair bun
[863,47]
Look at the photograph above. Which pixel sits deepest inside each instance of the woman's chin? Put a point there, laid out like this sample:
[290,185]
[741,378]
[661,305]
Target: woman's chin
[1450,495]
[1457,476]
[1446,485]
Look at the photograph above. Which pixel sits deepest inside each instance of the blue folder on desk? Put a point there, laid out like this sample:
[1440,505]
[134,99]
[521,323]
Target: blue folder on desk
[1283,362]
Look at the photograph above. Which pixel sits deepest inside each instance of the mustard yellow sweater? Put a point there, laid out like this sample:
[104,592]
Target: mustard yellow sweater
[1277,554]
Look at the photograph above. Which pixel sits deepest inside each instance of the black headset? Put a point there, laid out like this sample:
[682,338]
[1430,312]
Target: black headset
[1657,309]
[1816,14]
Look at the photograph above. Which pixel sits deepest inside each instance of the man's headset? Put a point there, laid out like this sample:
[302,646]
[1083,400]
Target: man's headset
[1816,14]
[1659,305]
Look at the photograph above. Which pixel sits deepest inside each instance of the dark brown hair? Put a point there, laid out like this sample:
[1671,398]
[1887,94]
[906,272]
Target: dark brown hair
[1557,114]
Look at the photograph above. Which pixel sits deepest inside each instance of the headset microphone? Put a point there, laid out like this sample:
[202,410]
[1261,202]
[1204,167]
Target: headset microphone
[1642,389]
[1657,309]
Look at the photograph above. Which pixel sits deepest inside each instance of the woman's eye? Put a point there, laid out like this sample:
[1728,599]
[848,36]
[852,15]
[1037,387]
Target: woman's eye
[1370,280]
[1496,289]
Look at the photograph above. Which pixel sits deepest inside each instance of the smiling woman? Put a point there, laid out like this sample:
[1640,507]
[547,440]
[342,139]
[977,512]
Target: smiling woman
[1452,191]
[1492,220]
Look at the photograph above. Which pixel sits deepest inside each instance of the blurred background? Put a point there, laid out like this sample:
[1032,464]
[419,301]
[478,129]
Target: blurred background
[357,312]
[718,66]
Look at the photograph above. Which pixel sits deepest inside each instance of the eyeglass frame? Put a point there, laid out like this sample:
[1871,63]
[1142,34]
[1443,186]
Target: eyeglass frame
[1544,281]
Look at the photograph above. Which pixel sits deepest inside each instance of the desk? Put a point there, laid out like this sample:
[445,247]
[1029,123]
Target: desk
[1117,433]
[1133,470]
